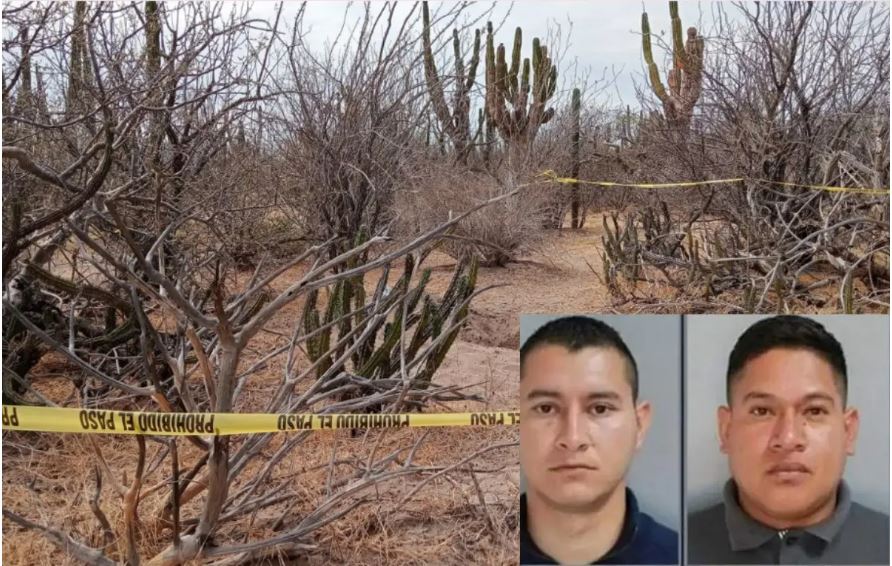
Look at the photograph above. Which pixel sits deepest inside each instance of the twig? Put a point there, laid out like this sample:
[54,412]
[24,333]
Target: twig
[108,534]
[464,461]
[63,541]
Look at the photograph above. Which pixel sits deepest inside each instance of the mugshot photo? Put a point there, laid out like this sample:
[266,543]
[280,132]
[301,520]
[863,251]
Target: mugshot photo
[787,439]
[600,443]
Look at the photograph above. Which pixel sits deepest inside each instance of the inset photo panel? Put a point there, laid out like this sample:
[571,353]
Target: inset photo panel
[600,439]
[787,439]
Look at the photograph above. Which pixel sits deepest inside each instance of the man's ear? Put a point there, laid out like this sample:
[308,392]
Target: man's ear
[642,416]
[724,422]
[852,421]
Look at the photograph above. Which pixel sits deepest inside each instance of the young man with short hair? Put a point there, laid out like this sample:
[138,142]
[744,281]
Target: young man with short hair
[787,431]
[581,424]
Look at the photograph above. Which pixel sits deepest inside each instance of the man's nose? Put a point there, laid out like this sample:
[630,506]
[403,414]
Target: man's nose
[573,434]
[789,432]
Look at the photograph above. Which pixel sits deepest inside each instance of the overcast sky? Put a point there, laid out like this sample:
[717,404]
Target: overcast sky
[604,35]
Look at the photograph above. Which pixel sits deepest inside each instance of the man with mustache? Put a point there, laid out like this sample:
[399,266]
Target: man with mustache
[787,432]
[581,423]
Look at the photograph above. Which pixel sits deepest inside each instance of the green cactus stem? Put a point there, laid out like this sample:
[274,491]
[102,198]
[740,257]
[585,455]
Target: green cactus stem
[685,78]
[455,122]
[517,97]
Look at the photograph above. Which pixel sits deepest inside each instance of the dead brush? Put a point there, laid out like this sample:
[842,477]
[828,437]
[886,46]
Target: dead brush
[743,265]
[499,235]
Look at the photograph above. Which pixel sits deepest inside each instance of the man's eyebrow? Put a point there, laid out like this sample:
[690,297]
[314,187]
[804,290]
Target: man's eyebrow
[762,396]
[757,396]
[543,393]
[610,395]
[550,394]
[820,397]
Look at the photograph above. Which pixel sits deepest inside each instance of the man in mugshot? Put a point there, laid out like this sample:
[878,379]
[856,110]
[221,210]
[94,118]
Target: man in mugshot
[787,432]
[581,423]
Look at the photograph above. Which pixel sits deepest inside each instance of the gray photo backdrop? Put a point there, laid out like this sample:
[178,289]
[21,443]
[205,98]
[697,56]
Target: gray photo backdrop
[864,338]
[655,342]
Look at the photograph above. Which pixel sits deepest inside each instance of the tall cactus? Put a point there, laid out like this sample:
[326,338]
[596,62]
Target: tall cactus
[40,98]
[686,75]
[25,99]
[508,90]
[153,40]
[485,137]
[455,122]
[80,67]
[576,219]
[153,66]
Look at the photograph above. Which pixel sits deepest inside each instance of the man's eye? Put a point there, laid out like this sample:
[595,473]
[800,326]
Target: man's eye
[816,411]
[543,409]
[601,409]
[760,411]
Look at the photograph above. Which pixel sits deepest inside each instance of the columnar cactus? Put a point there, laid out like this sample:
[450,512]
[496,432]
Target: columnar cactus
[153,66]
[576,219]
[375,359]
[455,122]
[686,76]
[153,40]
[80,67]
[25,99]
[485,136]
[508,90]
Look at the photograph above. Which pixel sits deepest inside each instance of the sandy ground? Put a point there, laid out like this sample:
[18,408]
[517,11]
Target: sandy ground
[556,278]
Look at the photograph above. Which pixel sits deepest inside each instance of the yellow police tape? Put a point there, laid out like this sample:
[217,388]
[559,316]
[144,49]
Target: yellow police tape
[553,177]
[54,419]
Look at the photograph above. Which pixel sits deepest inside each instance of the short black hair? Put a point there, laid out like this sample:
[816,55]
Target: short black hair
[577,332]
[787,331]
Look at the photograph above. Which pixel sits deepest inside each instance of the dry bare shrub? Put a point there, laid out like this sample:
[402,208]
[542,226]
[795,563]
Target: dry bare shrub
[495,236]
[352,125]
[253,221]
[793,94]
[163,166]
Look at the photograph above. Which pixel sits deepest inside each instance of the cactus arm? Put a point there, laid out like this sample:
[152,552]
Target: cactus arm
[524,93]
[679,56]
[475,62]
[686,73]
[515,64]
[653,73]
[512,85]
[552,83]
[431,76]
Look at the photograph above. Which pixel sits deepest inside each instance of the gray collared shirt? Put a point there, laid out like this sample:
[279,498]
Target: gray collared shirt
[725,534]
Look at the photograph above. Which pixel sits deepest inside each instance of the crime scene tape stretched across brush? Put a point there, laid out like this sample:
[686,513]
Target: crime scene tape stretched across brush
[551,177]
[55,419]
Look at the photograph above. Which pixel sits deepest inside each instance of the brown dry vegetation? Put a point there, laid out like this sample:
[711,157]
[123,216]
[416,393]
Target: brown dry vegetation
[51,479]
[184,183]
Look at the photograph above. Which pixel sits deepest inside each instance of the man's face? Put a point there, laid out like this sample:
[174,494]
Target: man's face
[787,435]
[579,426]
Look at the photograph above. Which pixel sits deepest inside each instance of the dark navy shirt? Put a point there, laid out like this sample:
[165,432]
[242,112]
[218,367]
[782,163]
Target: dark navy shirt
[642,540]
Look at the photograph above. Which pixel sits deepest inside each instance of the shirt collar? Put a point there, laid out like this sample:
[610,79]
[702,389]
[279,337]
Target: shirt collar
[830,527]
[626,536]
[745,533]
